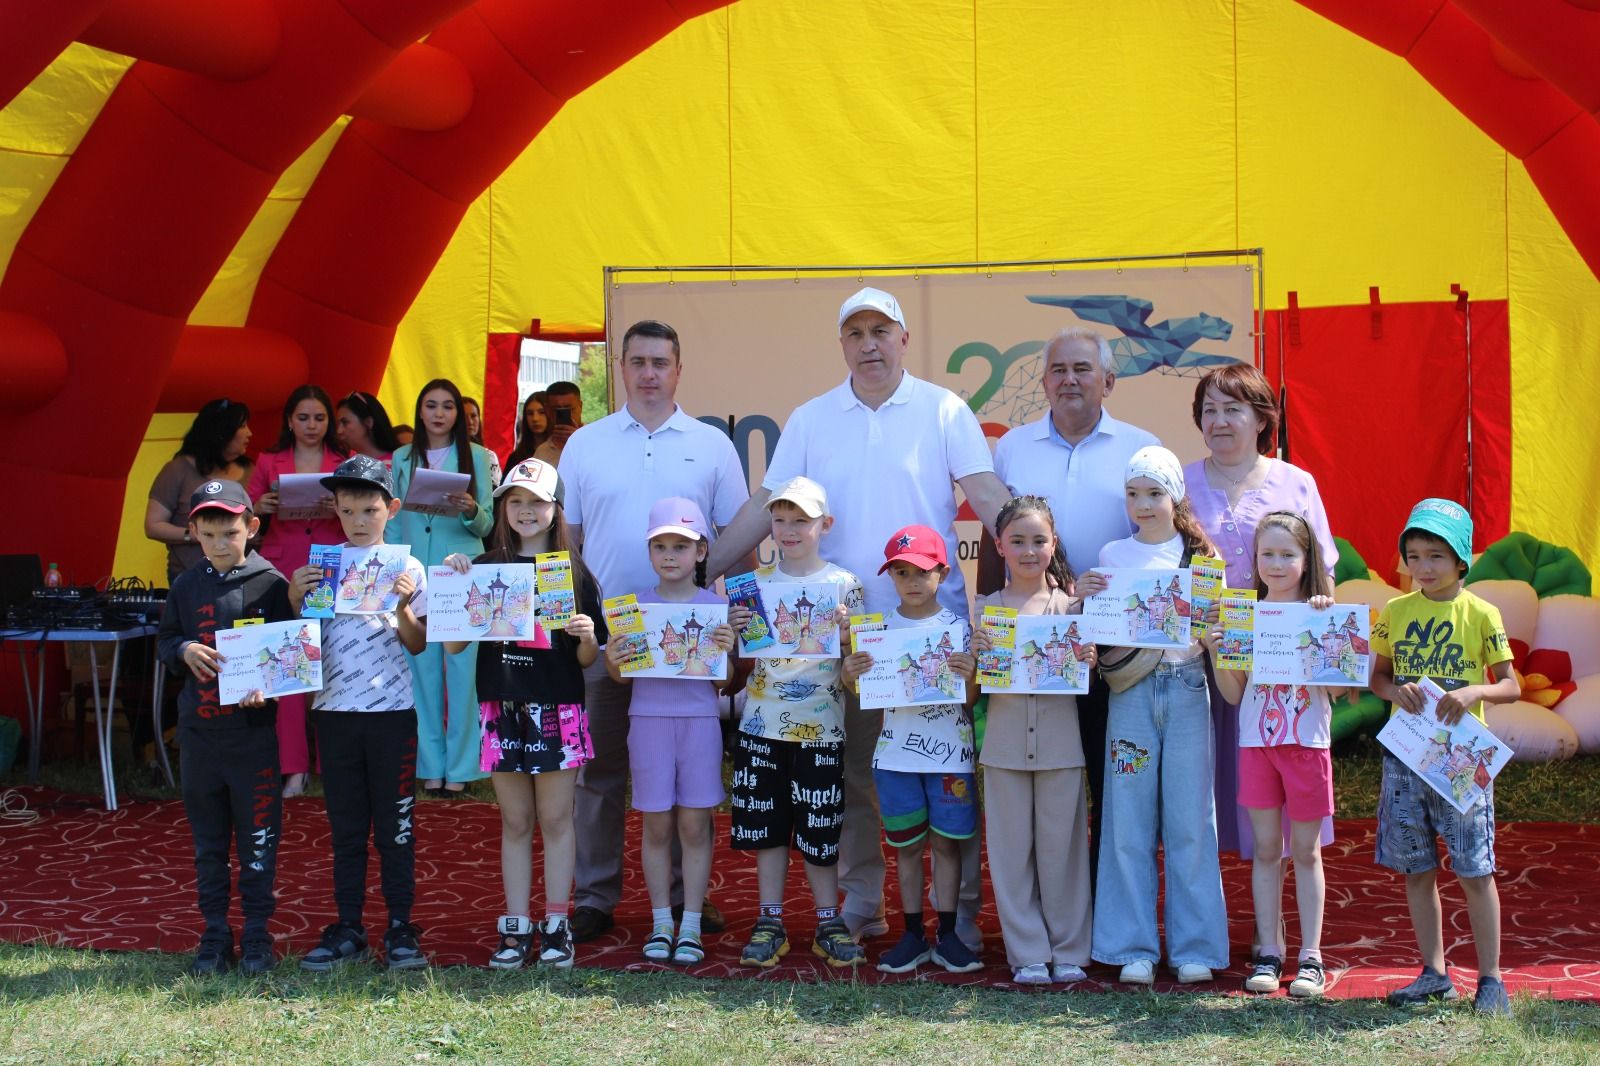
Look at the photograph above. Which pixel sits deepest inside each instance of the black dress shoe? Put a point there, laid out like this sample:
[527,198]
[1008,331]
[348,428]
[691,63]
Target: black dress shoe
[588,923]
[711,919]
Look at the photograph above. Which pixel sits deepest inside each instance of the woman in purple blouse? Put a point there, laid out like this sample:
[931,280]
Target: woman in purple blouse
[1231,489]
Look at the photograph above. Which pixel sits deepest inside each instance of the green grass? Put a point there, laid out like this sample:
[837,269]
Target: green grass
[58,1005]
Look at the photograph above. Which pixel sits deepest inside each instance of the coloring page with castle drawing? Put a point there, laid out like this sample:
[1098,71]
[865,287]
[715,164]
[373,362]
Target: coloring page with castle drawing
[679,638]
[1049,653]
[1139,609]
[910,666]
[490,602]
[367,576]
[802,619]
[1297,645]
[1457,761]
[276,658]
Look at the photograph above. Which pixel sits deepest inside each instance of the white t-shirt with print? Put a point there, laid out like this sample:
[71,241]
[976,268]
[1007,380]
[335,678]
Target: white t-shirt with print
[800,699]
[364,665]
[935,739]
[1271,716]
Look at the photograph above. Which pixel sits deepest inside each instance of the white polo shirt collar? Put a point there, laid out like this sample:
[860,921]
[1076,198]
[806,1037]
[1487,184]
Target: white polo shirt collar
[902,393]
[678,420]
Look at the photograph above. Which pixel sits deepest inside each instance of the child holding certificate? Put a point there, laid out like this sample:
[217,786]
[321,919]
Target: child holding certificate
[1441,631]
[675,739]
[1158,783]
[535,730]
[1035,798]
[1284,764]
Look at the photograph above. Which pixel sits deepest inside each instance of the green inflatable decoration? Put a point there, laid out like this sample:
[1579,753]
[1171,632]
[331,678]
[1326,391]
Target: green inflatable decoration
[1551,569]
[1350,567]
[1363,718]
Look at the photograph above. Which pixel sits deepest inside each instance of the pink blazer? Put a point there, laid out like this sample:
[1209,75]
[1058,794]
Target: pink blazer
[287,545]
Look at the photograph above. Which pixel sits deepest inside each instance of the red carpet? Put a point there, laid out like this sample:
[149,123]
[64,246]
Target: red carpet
[124,881]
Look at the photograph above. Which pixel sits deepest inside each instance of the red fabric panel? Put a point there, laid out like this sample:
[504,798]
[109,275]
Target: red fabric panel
[501,359]
[1382,423]
[1557,38]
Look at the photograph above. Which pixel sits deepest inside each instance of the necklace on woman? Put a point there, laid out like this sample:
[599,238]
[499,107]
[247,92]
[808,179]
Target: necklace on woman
[1236,482]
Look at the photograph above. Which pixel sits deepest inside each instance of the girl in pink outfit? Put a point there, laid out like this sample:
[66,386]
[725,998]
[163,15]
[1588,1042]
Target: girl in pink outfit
[304,446]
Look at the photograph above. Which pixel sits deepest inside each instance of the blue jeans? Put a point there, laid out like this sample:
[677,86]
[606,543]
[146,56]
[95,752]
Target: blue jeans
[1158,790]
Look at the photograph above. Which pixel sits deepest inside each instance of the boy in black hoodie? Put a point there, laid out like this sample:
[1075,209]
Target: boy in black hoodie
[228,754]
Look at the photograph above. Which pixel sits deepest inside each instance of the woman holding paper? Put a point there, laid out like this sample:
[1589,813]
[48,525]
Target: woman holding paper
[447,738]
[1236,411]
[296,512]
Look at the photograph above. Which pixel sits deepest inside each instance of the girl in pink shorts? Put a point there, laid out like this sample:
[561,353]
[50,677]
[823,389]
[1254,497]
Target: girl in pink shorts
[1284,764]
[674,728]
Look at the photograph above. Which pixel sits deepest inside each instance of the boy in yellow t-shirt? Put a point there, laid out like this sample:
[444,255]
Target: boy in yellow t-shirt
[1441,631]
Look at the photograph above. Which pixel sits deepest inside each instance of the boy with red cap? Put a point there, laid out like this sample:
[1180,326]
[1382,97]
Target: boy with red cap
[229,754]
[931,786]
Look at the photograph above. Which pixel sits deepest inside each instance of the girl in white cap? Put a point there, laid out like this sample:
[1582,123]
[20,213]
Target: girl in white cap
[1158,783]
[535,730]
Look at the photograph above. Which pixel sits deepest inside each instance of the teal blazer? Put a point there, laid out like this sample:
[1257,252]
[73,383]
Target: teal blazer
[432,537]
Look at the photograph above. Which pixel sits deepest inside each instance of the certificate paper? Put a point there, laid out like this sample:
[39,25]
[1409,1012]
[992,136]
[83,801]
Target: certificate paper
[802,619]
[429,491]
[910,666]
[300,496]
[1048,654]
[277,659]
[1139,609]
[1296,645]
[367,576]
[490,602]
[679,639]
[1459,762]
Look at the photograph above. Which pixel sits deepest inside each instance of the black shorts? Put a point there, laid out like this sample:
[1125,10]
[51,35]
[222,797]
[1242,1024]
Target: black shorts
[786,791]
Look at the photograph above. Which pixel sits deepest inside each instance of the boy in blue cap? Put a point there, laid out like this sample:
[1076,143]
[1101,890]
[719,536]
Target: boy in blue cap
[1441,631]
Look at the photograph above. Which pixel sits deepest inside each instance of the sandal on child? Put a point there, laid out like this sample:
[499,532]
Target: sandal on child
[659,947]
[689,951]
[516,940]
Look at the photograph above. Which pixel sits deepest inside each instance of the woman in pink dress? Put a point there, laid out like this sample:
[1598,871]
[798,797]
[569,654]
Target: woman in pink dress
[304,446]
[1237,413]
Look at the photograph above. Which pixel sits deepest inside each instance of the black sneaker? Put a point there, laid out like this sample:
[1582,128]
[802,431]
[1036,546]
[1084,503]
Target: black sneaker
[1492,998]
[589,923]
[400,948]
[1310,981]
[342,942]
[911,951]
[834,945]
[256,955]
[769,942]
[214,957]
[954,955]
[1430,984]
[1266,972]
[557,951]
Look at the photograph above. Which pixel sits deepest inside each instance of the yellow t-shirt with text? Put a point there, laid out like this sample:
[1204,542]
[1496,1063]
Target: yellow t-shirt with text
[1452,641]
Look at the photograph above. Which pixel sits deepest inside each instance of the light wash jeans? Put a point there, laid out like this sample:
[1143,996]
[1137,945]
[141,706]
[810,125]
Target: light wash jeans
[1159,766]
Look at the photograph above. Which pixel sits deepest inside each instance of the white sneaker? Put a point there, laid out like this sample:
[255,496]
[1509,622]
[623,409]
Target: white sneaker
[1068,974]
[1033,974]
[1142,972]
[1192,973]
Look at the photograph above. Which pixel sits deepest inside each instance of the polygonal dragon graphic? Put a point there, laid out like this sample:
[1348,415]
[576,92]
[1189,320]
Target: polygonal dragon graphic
[1012,394]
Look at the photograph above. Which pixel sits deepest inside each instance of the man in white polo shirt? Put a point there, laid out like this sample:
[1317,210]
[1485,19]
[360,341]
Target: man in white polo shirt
[1075,456]
[612,471]
[888,447]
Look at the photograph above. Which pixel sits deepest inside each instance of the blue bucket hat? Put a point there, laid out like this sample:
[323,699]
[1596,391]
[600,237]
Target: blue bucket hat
[1445,519]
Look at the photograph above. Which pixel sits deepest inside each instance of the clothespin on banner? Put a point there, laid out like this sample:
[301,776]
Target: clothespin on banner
[1292,318]
[1461,297]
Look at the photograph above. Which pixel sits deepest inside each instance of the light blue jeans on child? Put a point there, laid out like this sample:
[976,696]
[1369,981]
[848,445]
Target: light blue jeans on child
[1158,790]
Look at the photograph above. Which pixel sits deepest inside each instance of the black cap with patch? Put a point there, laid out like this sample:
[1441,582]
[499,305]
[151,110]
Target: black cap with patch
[222,494]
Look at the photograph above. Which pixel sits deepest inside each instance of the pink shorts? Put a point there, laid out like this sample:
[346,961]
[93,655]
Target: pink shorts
[676,762]
[1287,775]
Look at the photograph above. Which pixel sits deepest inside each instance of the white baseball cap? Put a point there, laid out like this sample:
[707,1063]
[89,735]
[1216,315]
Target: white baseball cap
[805,494]
[870,299]
[534,475]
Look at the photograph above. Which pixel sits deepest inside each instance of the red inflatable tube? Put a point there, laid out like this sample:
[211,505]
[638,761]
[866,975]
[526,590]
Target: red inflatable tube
[387,200]
[35,33]
[135,228]
[1558,39]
